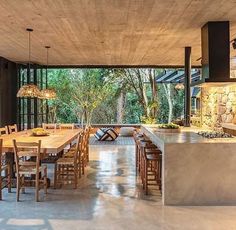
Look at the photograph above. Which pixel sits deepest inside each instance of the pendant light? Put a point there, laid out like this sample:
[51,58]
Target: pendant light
[179,86]
[47,93]
[29,90]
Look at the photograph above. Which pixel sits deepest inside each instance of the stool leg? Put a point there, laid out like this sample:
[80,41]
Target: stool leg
[136,157]
[139,158]
[55,175]
[9,174]
[146,177]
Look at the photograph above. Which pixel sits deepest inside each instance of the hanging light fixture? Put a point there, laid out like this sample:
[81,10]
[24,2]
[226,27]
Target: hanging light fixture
[47,93]
[179,86]
[29,90]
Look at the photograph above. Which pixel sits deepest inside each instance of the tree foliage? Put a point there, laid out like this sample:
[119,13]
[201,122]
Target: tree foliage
[113,95]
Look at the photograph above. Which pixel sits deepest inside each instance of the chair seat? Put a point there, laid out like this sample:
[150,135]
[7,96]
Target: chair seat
[69,154]
[153,151]
[65,161]
[152,157]
[30,169]
[147,145]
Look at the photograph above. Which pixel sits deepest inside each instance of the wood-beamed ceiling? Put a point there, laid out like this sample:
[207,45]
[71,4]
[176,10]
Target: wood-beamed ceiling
[109,32]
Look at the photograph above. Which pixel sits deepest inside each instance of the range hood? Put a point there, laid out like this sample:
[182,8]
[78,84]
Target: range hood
[215,40]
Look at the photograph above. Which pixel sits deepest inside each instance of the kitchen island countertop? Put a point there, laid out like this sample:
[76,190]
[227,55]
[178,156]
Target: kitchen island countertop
[195,170]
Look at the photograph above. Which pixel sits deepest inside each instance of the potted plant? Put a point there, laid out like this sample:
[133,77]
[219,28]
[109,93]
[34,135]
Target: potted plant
[168,128]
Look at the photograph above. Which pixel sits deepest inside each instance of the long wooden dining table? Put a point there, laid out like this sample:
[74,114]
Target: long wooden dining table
[55,142]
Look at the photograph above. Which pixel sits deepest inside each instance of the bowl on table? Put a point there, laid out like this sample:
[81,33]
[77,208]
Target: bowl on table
[39,132]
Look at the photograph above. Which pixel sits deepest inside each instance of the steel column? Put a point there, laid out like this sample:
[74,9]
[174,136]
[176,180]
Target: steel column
[187,82]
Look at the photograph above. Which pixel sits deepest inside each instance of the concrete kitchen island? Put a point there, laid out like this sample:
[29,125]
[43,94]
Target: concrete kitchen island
[196,170]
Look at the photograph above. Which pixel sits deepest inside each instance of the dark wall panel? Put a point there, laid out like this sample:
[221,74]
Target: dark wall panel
[8,90]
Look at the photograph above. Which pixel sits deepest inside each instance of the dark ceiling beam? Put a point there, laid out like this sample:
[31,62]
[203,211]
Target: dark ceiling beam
[118,66]
[162,74]
[177,77]
[168,75]
[195,78]
[193,75]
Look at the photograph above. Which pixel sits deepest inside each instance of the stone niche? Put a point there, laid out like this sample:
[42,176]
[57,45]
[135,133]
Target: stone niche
[218,106]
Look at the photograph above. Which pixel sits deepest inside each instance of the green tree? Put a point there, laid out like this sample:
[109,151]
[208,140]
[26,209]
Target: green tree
[113,95]
[79,93]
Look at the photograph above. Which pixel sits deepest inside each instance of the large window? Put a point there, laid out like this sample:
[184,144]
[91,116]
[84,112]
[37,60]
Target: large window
[32,112]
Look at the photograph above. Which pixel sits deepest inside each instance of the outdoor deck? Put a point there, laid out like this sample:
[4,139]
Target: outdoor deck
[109,196]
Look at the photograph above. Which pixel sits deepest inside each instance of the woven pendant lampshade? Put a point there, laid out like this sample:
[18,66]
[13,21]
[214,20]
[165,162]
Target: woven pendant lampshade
[29,90]
[47,94]
[179,86]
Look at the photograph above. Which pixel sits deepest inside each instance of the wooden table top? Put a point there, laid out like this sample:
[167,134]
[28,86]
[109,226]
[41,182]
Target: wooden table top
[54,143]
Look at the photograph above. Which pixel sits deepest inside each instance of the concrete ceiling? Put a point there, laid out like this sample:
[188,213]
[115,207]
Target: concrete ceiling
[109,32]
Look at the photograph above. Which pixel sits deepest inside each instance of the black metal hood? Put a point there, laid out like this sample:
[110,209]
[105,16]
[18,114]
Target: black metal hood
[215,38]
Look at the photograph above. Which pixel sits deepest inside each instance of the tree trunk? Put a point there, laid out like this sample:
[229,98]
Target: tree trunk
[152,78]
[145,101]
[121,107]
[167,88]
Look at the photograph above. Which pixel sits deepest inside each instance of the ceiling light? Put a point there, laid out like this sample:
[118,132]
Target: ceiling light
[179,86]
[47,93]
[29,90]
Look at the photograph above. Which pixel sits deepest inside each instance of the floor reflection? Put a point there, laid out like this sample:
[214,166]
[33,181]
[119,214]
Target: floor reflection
[109,197]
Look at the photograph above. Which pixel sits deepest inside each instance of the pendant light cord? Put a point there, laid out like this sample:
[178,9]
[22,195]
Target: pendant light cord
[47,65]
[47,47]
[29,46]
[29,49]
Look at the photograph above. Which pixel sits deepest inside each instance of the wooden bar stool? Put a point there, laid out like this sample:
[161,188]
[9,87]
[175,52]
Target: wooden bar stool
[145,148]
[142,142]
[151,161]
[137,136]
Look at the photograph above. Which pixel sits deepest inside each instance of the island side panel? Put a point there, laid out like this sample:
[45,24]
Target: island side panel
[200,174]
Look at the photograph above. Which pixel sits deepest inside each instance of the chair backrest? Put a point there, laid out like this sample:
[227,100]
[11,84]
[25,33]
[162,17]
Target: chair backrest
[84,142]
[3,130]
[12,128]
[27,154]
[49,126]
[87,133]
[67,126]
[78,148]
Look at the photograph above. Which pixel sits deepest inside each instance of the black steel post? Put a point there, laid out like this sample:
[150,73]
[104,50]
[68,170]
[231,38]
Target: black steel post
[187,81]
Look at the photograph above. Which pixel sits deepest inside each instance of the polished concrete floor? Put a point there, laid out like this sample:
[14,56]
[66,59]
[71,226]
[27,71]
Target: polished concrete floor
[109,197]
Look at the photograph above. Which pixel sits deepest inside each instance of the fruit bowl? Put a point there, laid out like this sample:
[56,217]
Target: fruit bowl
[39,132]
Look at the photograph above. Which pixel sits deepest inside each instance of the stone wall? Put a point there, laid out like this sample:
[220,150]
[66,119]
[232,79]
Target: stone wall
[218,105]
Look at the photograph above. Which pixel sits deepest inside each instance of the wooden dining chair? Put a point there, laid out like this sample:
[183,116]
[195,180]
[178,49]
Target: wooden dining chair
[3,131]
[27,158]
[49,126]
[85,144]
[68,167]
[5,180]
[67,126]
[12,129]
